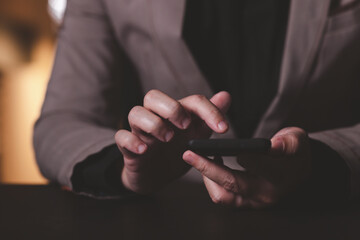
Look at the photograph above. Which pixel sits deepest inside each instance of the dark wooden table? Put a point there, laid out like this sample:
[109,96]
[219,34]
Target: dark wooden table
[180,211]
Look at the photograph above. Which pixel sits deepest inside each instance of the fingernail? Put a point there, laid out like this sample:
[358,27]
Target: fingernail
[188,158]
[185,123]
[141,148]
[222,126]
[278,146]
[169,136]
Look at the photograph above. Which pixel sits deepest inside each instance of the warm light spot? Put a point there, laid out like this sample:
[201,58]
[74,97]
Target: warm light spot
[22,93]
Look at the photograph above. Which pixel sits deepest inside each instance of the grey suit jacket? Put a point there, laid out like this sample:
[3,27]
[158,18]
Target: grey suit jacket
[110,51]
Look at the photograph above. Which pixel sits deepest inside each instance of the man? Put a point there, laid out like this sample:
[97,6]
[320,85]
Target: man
[289,66]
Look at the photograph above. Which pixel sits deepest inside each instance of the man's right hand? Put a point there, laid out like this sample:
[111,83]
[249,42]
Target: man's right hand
[159,133]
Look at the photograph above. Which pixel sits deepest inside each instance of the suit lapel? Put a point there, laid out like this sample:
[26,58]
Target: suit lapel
[307,19]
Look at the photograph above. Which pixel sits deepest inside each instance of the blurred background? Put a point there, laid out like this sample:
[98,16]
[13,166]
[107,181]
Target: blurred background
[27,43]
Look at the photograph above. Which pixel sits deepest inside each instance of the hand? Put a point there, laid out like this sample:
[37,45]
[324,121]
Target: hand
[159,133]
[267,178]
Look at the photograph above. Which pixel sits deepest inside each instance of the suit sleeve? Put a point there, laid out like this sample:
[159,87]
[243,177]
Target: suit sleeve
[82,108]
[345,141]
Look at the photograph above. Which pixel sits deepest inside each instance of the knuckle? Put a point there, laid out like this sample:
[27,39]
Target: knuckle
[215,113]
[119,134]
[124,141]
[201,167]
[149,96]
[156,125]
[174,109]
[127,140]
[230,183]
[134,112]
[199,98]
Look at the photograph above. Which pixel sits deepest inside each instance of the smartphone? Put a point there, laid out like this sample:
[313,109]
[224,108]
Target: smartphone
[229,147]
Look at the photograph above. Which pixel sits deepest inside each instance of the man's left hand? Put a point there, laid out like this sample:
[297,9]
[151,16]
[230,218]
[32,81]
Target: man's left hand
[268,177]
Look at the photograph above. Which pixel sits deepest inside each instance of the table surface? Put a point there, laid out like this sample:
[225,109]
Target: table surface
[182,210]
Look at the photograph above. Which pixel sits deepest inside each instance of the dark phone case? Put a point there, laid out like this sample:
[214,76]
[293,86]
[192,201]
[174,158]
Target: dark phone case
[229,147]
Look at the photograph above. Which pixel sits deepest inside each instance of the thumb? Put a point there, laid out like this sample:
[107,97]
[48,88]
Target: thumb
[288,141]
[222,101]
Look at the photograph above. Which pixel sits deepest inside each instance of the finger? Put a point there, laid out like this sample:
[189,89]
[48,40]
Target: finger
[129,144]
[221,196]
[141,119]
[167,108]
[207,111]
[222,175]
[222,100]
[288,141]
